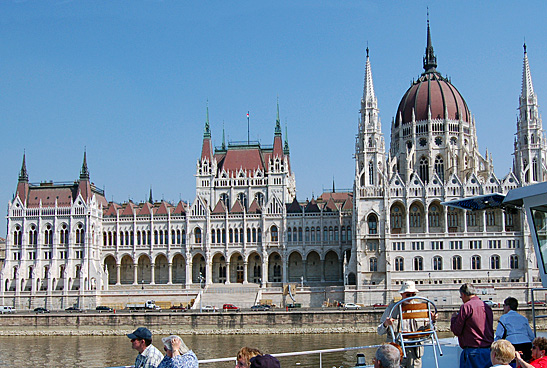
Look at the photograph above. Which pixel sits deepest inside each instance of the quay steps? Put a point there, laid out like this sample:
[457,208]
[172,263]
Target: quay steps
[240,295]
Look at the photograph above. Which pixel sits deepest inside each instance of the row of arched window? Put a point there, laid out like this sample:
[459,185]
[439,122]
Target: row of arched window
[144,237]
[418,263]
[313,234]
[218,236]
[48,235]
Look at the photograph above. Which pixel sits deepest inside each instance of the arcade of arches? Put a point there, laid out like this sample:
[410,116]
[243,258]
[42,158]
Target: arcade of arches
[311,268]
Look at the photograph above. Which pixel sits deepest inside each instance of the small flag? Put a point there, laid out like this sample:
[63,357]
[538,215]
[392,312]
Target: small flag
[247,115]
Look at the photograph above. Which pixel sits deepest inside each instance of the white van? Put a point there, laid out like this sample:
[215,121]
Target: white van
[7,309]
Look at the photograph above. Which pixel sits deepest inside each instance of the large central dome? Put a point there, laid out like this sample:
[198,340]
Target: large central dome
[431,92]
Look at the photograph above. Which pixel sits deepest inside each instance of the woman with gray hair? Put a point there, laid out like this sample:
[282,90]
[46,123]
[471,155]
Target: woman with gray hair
[177,354]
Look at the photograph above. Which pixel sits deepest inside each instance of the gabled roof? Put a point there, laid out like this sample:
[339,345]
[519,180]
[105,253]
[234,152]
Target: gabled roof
[180,209]
[255,208]
[128,209]
[312,206]
[348,205]
[164,208]
[112,209]
[220,208]
[237,207]
[146,209]
[247,158]
[294,207]
[330,206]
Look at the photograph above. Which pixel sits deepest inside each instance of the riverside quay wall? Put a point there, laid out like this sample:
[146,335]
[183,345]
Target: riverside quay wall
[293,321]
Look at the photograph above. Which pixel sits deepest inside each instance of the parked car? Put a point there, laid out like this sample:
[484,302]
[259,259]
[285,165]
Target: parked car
[209,308]
[230,307]
[104,308]
[491,303]
[73,309]
[379,305]
[261,307]
[41,310]
[6,309]
[537,303]
[351,306]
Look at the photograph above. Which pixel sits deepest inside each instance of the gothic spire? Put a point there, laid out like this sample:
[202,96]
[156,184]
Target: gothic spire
[368,89]
[150,198]
[430,60]
[84,172]
[23,175]
[277,121]
[223,139]
[207,132]
[527,87]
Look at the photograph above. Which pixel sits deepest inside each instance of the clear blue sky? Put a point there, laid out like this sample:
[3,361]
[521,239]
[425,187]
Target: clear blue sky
[130,81]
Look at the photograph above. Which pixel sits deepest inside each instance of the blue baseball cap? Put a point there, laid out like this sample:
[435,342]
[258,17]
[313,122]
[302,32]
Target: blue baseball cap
[141,333]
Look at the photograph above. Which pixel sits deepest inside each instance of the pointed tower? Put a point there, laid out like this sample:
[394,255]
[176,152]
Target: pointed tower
[206,165]
[369,181]
[278,144]
[530,146]
[370,146]
[23,185]
[84,185]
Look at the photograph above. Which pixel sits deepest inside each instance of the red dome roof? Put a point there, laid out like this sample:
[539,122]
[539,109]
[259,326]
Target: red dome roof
[432,91]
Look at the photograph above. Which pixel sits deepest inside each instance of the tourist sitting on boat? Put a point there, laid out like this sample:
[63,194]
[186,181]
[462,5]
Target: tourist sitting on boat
[149,356]
[244,356]
[515,328]
[265,361]
[539,360]
[387,356]
[502,352]
[177,354]
[413,354]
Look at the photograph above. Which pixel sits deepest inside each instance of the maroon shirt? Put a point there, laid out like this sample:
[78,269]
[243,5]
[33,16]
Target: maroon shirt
[474,324]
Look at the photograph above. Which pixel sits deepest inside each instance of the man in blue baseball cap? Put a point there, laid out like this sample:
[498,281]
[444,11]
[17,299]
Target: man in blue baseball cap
[149,356]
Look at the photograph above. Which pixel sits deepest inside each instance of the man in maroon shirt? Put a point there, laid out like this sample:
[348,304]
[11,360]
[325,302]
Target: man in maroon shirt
[474,326]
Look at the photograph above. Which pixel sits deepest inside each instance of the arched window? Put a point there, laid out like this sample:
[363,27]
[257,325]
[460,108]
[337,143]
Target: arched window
[156,238]
[418,264]
[80,234]
[331,234]
[396,218]
[399,264]
[343,234]
[372,224]
[313,234]
[424,169]
[415,217]
[534,169]
[456,263]
[259,199]
[64,234]
[336,233]
[495,262]
[307,234]
[299,234]
[289,235]
[33,235]
[183,236]
[274,233]
[243,199]
[17,236]
[373,264]
[476,262]
[514,262]
[371,173]
[225,199]
[437,263]
[254,235]
[259,233]
[348,231]
[248,235]
[197,235]
[213,237]
[325,233]
[434,214]
[48,235]
[318,231]
[231,235]
[138,237]
[439,167]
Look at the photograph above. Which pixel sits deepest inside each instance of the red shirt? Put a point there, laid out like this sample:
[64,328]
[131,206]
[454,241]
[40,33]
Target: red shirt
[474,324]
[540,363]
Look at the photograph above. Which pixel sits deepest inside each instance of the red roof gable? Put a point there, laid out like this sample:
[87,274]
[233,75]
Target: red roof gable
[112,209]
[220,208]
[180,209]
[330,206]
[255,208]
[164,208]
[128,209]
[237,208]
[146,209]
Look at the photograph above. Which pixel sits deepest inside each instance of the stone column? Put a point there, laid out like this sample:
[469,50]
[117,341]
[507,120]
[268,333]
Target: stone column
[305,270]
[152,273]
[118,274]
[322,270]
[170,273]
[245,273]
[188,273]
[135,279]
[228,272]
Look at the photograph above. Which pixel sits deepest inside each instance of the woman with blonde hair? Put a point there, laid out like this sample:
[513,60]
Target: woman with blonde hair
[244,356]
[502,352]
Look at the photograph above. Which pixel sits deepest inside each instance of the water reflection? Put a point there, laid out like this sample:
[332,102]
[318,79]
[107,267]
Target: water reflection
[107,351]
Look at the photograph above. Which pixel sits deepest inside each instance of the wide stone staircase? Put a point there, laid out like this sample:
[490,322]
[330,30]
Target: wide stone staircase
[240,295]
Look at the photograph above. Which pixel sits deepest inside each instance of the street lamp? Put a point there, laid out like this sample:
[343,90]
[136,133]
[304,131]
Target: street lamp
[302,282]
[488,275]
[429,274]
[201,279]
[142,284]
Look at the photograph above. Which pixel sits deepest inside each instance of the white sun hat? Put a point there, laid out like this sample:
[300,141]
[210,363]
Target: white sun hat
[408,287]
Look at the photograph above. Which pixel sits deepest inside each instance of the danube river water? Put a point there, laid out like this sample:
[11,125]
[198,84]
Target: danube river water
[108,351]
